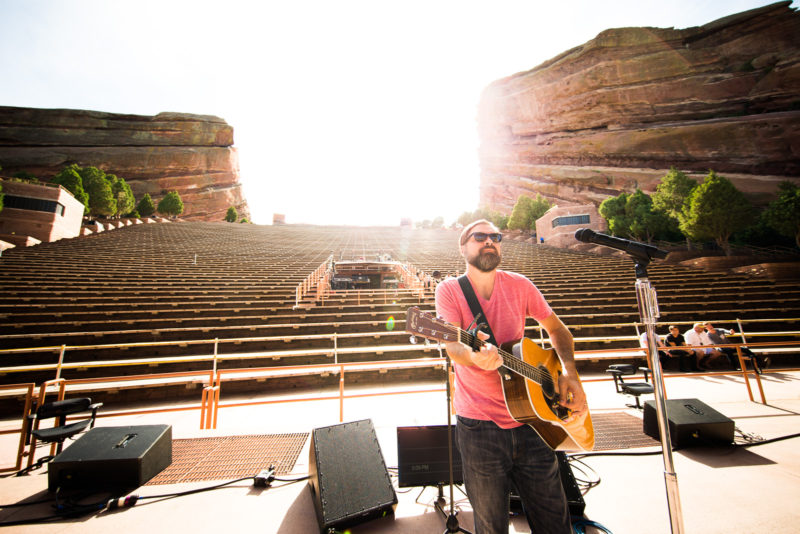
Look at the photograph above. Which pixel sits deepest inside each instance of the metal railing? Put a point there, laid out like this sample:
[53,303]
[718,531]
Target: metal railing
[213,378]
[321,273]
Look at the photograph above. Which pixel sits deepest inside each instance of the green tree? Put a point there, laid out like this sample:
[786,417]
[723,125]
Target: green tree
[526,211]
[496,218]
[613,211]
[672,192]
[145,207]
[171,204]
[783,214]
[122,194]
[762,234]
[232,215]
[646,223]
[25,176]
[540,207]
[714,210]
[71,180]
[244,220]
[97,186]
[520,218]
[632,215]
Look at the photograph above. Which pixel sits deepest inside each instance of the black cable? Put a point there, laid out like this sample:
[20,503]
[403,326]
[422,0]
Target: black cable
[585,484]
[610,453]
[291,480]
[196,490]
[772,440]
[33,467]
[71,509]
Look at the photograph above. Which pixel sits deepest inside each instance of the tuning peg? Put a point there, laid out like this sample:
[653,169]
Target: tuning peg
[413,340]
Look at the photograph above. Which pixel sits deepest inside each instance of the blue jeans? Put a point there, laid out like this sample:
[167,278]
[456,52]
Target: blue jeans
[493,459]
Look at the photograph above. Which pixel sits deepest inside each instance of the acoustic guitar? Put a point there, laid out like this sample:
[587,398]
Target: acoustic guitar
[529,376]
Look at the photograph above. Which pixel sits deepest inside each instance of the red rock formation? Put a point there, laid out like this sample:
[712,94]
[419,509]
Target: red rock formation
[192,154]
[617,112]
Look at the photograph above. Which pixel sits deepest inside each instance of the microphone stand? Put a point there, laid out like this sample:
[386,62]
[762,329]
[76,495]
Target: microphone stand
[648,312]
[452,518]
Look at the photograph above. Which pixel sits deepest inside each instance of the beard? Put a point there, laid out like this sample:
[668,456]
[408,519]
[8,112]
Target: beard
[486,260]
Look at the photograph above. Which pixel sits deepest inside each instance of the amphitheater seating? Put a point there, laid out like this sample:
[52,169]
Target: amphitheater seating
[182,297]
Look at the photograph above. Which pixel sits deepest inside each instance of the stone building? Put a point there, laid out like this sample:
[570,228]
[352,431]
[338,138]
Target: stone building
[44,212]
[557,226]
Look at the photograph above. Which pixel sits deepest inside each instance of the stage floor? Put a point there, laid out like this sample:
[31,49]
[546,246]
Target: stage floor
[722,490]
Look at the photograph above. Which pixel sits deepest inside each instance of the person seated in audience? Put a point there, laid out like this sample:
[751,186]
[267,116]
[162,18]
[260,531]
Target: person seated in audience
[643,342]
[719,337]
[697,336]
[686,358]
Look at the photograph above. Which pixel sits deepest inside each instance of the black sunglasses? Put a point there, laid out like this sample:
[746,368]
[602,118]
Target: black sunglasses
[480,237]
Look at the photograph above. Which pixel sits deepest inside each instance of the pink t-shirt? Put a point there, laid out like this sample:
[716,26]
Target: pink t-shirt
[479,393]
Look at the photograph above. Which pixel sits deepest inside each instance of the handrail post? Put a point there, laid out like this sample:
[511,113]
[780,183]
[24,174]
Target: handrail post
[60,361]
[335,348]
[341,393]
[23,433]
[743,367]
[216,348]
[741,330]
[217,392]
[755,363]
[203,405]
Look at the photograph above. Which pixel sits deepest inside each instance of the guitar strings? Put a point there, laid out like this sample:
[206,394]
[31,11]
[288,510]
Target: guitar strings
[509,360]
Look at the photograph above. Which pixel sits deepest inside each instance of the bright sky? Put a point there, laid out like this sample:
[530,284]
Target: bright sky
[344,112]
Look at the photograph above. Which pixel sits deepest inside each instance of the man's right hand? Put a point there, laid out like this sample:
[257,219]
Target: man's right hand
[487,357]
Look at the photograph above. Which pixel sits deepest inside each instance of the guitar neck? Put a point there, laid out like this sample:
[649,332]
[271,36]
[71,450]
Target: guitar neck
[430,327]
[510,362]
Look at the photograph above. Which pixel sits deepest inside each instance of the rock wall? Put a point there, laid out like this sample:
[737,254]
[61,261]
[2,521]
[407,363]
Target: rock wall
[617,112]
[191,154]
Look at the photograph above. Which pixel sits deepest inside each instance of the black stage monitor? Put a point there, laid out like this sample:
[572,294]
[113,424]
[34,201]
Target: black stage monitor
[422,456]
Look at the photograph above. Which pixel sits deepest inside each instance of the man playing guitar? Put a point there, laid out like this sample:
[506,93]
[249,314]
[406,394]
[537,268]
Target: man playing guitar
[497,450]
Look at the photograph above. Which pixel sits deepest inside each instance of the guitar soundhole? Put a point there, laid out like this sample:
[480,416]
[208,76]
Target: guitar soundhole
[549,392]
[548,388]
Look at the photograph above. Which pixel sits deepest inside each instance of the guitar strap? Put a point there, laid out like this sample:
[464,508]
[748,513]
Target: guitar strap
[475,308]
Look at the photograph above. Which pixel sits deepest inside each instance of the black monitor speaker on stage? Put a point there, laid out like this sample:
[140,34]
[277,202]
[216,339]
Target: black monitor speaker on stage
[348,477]
[422,458]
[690,422]
[112,458]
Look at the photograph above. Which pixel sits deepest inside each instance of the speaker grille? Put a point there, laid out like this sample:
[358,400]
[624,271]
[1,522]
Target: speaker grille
[349,478]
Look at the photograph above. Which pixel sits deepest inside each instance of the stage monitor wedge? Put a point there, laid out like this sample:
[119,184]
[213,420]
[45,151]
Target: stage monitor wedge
[348,477]
[691,422]
[112,458]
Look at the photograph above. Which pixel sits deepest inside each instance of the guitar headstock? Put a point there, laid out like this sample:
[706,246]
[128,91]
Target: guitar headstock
[426,325]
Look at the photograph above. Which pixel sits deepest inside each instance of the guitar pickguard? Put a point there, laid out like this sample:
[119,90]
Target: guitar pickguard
[551,396]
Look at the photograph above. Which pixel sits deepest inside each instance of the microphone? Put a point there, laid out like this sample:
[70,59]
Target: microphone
[634,248]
